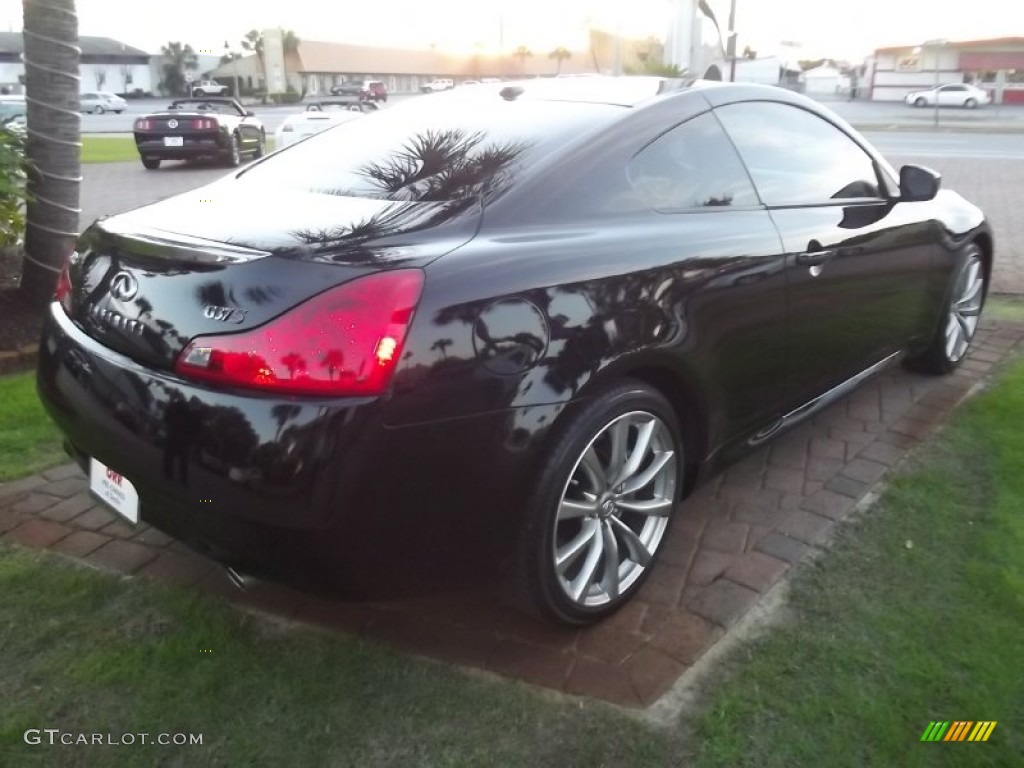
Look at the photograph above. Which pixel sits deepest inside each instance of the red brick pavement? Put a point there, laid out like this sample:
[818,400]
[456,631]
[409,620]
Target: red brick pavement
[731,542]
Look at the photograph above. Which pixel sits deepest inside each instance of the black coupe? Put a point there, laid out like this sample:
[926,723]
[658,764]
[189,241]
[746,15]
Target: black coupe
[206,127]
[512,326]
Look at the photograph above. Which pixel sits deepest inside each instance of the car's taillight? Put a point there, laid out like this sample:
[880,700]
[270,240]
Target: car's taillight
[143,124]
[345,341]
[203,124]
[62,293]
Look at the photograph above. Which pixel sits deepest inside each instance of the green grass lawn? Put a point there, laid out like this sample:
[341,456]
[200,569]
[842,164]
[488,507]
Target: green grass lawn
[917,614]
[119,149]
[28,440]
[1005,308]
[85,652]
[109,149]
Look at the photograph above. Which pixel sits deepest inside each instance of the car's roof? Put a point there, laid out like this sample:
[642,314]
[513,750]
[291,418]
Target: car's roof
[625,91]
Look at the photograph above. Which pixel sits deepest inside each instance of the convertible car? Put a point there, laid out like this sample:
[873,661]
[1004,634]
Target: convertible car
[507,329]
[319,116]
[206,127]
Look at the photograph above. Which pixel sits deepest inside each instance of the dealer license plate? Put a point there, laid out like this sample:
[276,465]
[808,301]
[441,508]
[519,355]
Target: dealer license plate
[114,489]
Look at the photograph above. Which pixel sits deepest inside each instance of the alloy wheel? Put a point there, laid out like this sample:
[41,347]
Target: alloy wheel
[964,309]
[615,509]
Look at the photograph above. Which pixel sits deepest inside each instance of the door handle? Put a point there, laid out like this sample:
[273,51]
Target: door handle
[814,258]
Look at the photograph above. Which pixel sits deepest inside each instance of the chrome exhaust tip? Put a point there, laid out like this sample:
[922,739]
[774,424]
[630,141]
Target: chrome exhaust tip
[240,581]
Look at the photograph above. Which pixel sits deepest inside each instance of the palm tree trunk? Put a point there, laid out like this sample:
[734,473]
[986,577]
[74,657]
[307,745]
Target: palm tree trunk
[54,142]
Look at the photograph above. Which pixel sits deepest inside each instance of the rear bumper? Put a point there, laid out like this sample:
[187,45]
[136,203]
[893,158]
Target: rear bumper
[280,484]
[192,146]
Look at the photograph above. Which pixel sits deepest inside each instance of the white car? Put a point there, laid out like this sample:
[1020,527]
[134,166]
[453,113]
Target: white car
[438,84]
[319,116]
[98,102]
[950,95]
[209,88]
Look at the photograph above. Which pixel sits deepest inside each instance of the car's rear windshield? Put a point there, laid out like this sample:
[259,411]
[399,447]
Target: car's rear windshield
[437,150]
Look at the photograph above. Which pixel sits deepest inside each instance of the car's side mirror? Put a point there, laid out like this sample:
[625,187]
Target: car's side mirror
[918,184]
[250,113]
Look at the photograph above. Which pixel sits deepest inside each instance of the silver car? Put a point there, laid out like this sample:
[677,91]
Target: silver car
[98,102]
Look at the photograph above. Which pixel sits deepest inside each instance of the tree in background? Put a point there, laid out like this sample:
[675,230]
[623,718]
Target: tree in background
[522,53]
[178,59]
[656,68]
[806,64]
[54,142]
[253,41]
[560,54]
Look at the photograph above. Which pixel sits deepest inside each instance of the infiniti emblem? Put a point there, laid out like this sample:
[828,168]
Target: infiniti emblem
[172,123]
[124,286]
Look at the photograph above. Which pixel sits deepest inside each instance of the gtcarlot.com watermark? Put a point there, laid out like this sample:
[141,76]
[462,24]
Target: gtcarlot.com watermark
[56,737]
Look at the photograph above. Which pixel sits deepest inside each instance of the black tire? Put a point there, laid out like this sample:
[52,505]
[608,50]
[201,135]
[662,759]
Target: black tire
[920,102]
[98,110]
[538,586]
[233,158]
[261,146]
[151,163]
[971,103]
[936,359]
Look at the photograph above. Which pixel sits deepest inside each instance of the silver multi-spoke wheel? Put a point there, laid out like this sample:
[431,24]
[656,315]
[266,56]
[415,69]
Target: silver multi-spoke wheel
[615,508]
[964,309]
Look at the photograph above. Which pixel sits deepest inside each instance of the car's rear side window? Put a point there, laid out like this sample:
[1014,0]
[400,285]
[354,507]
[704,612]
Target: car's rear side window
[449,149]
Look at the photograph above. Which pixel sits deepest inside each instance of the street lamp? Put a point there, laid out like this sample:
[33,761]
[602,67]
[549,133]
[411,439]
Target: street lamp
[937,45]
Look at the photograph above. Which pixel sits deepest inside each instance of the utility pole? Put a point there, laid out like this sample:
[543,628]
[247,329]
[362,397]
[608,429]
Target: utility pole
[731,48]
[234,68]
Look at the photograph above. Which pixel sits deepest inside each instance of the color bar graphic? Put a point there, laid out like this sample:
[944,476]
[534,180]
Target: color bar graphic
[959,730]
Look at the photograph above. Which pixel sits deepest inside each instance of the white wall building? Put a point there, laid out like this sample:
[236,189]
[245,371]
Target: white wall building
[995,64]
[825,79]
[106,65]
[897,72]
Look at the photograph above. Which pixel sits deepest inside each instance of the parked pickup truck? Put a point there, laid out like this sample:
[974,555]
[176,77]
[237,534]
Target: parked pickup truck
[209,88]
[438,84]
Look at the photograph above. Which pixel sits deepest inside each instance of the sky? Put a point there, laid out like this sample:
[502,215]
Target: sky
[845,29]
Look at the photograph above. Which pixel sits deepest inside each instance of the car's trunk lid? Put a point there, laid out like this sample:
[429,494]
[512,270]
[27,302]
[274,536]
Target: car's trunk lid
[215,261]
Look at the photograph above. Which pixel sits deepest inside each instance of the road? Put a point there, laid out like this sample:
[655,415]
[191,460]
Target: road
[899,115]
[987,169]
[906,144]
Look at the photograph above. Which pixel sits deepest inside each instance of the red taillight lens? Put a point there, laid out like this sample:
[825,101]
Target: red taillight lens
[346,341]
[143,125]
[62,293]
[202,124]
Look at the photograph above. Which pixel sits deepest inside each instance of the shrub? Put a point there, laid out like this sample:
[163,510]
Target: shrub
[12,186]
[288,97]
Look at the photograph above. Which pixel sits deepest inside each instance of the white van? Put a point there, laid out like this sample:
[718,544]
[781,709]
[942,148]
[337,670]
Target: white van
[438,84]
